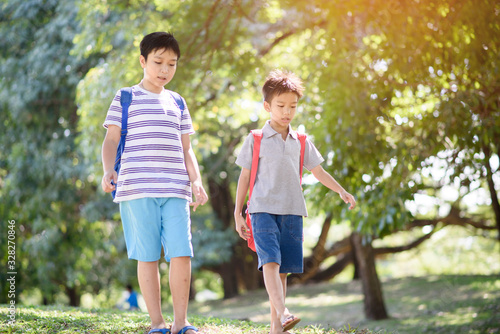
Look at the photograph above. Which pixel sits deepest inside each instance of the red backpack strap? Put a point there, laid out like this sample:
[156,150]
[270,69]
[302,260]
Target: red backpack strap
[257,138]
[302,139]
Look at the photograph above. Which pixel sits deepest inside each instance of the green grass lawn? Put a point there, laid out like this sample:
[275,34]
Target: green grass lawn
[435,304]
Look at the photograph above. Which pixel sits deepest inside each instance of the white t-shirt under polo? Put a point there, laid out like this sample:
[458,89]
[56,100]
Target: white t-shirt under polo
[277,188]
[153,159]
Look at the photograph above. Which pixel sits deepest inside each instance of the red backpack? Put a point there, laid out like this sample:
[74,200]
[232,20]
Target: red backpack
[257,138]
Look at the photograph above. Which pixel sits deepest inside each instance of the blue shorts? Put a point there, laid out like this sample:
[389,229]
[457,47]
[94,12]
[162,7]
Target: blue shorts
[278,238]
[150,223]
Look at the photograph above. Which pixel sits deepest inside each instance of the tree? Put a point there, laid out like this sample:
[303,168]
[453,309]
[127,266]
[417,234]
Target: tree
[214,57]
[406,89]
[393,90]
[353,57]
[43,179]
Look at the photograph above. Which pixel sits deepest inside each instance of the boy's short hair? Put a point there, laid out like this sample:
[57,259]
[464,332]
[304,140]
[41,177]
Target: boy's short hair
[279,82]
[157,41]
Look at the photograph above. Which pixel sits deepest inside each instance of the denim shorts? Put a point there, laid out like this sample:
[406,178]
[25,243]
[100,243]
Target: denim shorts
[278,238]
[150,223]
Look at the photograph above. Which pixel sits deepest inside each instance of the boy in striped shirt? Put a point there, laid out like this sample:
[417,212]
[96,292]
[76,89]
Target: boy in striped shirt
[158,172]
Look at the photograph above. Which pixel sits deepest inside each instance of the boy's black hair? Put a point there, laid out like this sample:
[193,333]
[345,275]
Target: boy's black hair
[279,82]
[157,41]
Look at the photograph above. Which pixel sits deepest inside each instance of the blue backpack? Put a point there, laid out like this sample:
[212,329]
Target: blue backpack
[125,101]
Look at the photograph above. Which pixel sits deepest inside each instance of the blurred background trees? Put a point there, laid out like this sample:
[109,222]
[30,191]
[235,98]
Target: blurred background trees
[44,178]
[402,100]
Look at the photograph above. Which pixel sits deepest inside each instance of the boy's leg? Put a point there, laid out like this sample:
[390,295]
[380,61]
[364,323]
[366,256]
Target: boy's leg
[276,291]
[142,225]
[275,320]
[180,280]
[149,282]
[176,240]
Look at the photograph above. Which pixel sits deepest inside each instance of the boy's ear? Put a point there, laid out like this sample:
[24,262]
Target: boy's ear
[267,106]
[142,60]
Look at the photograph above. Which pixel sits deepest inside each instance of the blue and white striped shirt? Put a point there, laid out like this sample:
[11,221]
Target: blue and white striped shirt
[153,159]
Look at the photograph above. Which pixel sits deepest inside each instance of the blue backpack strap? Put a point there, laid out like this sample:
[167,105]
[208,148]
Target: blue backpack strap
[180,102]
[125,101]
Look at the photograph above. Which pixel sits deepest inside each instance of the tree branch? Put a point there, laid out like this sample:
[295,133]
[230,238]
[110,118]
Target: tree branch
[342,262]
[343,249]
[397,249]
[269,47]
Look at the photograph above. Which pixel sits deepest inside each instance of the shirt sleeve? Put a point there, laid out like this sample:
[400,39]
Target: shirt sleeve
[244,159]
[114,115]
[312,157]
[186,121]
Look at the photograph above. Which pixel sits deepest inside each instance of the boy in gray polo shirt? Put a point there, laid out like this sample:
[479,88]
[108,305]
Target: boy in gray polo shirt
[277,204]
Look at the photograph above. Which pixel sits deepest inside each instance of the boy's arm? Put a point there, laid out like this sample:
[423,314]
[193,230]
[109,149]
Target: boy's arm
[193,171]
[109,146]
[328,181]
[241,195]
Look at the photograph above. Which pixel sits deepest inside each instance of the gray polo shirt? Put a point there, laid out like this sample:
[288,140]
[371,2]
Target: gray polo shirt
[277,188]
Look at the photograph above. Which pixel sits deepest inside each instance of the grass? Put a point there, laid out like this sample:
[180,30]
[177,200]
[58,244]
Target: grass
[62,319]
[433,304]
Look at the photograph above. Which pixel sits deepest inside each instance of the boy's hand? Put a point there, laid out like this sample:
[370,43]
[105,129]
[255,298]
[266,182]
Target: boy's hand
[348,198]
[241,227]
[106,181]
[200,195]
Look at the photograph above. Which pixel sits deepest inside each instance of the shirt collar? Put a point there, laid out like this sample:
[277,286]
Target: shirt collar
[268,131]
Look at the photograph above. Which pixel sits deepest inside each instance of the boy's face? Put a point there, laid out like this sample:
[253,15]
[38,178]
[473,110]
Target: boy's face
[282,110]
[159,69]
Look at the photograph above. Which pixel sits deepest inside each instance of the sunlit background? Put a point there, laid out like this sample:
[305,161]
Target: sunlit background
[402,99]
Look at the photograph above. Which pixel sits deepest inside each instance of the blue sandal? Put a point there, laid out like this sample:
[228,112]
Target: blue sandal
[159,330]
[185,329]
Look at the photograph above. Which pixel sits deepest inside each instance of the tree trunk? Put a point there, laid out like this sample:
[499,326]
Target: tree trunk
[374,306]
[249,277]
[495,204]
[229,280]
[355,275]
[239,273]
[73,295]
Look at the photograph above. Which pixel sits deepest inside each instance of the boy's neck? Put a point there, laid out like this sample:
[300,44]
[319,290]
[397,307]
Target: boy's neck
[283,131]
[150,88]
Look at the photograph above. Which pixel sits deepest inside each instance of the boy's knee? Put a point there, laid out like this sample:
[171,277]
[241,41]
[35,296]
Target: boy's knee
[147,263]
[271,266]
[181,259]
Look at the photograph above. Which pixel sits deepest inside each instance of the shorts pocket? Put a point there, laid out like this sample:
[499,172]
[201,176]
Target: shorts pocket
[294,227]
[262,224]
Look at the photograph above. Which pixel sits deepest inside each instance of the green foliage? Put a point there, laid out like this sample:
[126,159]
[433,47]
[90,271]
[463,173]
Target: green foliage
[213,76]
[211,242]
[395,88]
[387,101]
[392,91]
[44,179]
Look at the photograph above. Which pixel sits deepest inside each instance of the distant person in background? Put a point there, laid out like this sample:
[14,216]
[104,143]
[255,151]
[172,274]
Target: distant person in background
[133,305]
